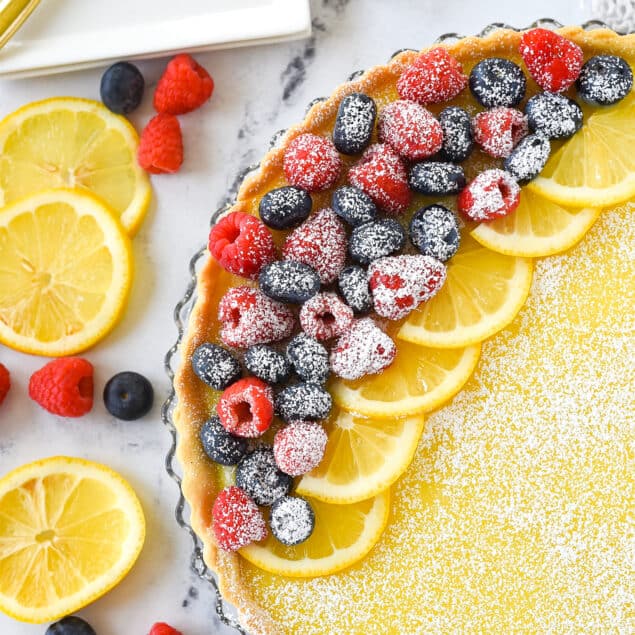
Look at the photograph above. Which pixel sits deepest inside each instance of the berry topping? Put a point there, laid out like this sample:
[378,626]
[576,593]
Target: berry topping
[215,366]
[492,194]
[299,447]
[236,520]
[435,178]
[498,130]
[292,520]
[128,396]
[497,82]
[121,88]
[553,61]
[435,232]
[285,207]
[309,358]
[353,205]
[5,382]
[267,364]
[354,123]
[364,350]
[246,407]
[71,625]
[400,283]
[457,134]
[410,129]
[382,175]
[553,115]
[353,285]
[434,77]
[64,387]
[605,80]
[325,316]
[319,243]
[528,158]
[219,445]
[289,281]
[241,244]
[160,148]
[161,628]
[375,240]
[183,87]
[249,317]
[258,475]
[303,401]
[312,162]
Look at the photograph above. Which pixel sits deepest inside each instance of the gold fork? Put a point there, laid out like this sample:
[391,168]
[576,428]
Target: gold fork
[12,17]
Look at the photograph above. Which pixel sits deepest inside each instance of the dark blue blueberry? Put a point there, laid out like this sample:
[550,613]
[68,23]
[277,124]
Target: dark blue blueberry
[353,285]
[436,178]
[497,82]
[303,401]
[528,158]
[553,115]
[70,626]
[285,207]
[215,366]
[376,239]
[353,205]
[219,445]
[122,87]
[310,360]
[292,520]
[258,475]
[289,281]
[354,123]
[604,80]
[456,124]
[435,232]
[128,396]
[267,364]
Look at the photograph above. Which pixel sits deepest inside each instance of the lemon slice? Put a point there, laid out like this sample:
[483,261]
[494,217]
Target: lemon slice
[363,457]
[70,530]
[65,272]
[483,293]
[419,380]
[70,142]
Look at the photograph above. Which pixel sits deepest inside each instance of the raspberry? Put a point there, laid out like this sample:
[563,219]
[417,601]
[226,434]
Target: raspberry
[498,130]
[553,61]
[161,628]
[320,243]
[161,145]
[434,77]
[246,407]
[491,194]
[64,387]
[410,130]
[237,521]
[312,162]
[325,316]
[242,244]
[382,175]
[249,317]
[299,447]
[5,382]
[183,87]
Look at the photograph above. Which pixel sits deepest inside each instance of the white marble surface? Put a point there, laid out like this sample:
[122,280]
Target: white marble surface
[258,91]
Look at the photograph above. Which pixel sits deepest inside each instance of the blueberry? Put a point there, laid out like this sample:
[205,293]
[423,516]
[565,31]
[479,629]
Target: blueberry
[70,626]
[309,358]
[122,87]
[285,207]
[436,178]
[497,82]
[456,124]
[353,285]
[292,520]
[528,158]
[215,366]
[353,205]
[128,396]
[435,232]
[258,475]
[303,401]
[267,364]
[354,123]
[553,115]
[289,281]
[219,445]
[604,80]
[376,239]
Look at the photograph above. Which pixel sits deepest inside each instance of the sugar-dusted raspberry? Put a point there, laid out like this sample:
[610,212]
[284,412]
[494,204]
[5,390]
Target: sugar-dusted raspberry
[498,130]
[492,194]
[160,148]
[325,316]
[246,407]
[161,628]
[299,447]
[312,162]
[5,382]
[236,520]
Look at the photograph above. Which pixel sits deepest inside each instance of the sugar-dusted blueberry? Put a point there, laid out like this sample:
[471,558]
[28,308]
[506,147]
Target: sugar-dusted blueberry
[310,360]
[604,80]
[353,285]
[354,123]
[436,178]
[304,401]
[267,364]
[456,124]
[289,281]
[285,207]
[258,475]
[353,205]
[292,520]
[528,158]
[497,82]
[215,366]
[71,625]
[376,239]
[554,115]
[434,231]
[219,445]
[121,87]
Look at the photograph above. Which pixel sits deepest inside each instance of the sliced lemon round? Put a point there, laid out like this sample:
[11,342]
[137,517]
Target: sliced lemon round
[65,272]
[483,293]
[71,142]
[70,530]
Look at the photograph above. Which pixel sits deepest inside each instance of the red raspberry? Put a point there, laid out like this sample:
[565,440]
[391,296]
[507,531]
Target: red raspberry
[161,628]
[237,521]
[553,61]
[312,162]
[64,387]
[299,447]
[249,317]
[5,382]
[410,130]
[242,244]
[325,316]
[383,176]
[246,407]
[434,77]
[321,243]
[183,87]
[498,130]
[492,194]
[161,145]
